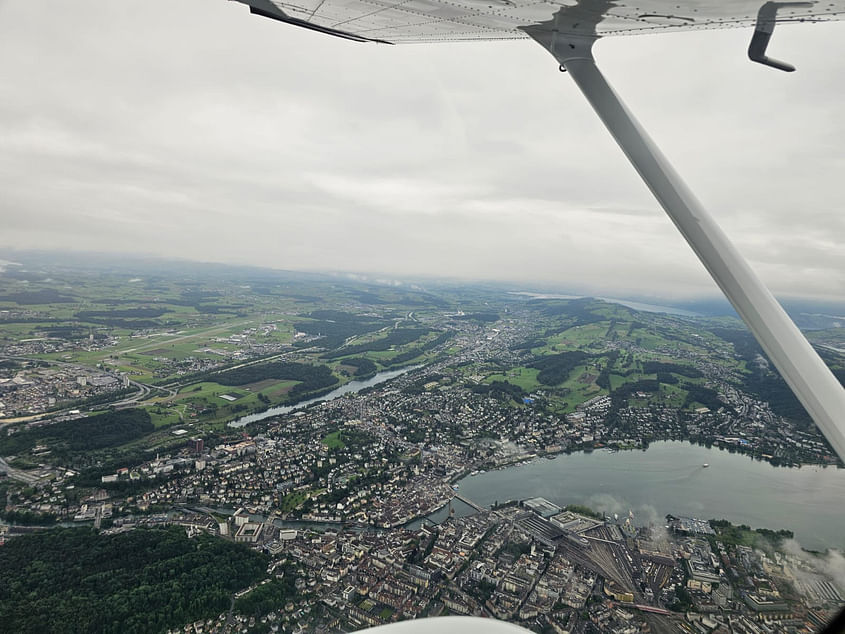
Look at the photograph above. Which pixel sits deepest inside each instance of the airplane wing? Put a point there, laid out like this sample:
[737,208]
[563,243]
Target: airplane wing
[568,29]
[398,21]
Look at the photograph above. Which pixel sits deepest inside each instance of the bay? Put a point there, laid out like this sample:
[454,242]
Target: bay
[669,478]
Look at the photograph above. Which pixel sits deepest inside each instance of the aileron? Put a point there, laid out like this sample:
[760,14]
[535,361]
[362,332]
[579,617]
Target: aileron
[467,20]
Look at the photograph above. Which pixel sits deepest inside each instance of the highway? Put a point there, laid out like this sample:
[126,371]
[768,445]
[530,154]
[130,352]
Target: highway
[17,474]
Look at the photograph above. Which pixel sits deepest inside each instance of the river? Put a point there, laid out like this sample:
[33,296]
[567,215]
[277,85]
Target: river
[669,478]
[346,388]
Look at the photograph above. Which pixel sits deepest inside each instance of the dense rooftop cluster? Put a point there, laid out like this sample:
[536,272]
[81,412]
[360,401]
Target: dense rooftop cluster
[336,493]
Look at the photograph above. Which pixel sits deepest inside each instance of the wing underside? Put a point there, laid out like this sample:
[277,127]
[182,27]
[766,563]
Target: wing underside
[397,21]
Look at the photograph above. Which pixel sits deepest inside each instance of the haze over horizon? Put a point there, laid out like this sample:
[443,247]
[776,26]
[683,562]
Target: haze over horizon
[808,312]
[198,131]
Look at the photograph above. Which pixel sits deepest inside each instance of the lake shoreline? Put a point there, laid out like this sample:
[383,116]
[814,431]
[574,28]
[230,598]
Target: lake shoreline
[669,478]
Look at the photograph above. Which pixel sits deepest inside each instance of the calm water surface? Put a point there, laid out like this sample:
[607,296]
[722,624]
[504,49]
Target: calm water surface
[352,386]
[669,478]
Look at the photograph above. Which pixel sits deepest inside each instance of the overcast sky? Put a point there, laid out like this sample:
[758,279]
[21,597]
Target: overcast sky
[193,129]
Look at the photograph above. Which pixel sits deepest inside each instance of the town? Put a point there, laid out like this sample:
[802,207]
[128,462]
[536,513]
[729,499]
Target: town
[354,495]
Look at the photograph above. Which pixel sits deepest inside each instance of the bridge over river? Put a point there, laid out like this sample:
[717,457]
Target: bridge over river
[469,502]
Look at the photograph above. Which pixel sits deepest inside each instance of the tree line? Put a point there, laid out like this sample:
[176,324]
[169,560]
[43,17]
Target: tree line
[396,337]
[556,368]
[311,377]
[144,580]
[108,429]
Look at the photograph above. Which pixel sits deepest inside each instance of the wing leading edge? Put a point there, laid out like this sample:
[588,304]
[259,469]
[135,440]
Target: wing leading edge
[398,21]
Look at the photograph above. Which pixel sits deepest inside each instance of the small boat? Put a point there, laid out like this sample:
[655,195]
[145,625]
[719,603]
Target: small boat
[706,464]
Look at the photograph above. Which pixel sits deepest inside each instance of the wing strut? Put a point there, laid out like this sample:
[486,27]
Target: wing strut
[802,368]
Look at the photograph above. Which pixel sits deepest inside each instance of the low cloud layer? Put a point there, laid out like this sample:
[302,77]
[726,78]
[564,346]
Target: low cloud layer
[831,564]
[196,130]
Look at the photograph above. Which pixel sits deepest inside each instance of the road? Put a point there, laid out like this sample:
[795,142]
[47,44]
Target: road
[17,474]
[199,333]
[143,391]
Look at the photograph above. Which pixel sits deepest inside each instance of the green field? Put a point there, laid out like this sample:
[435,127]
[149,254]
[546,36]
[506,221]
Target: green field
[178,329]
[526,378]
[334,441]
[164,417]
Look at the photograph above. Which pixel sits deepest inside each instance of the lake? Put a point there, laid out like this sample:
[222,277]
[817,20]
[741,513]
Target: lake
[669,478]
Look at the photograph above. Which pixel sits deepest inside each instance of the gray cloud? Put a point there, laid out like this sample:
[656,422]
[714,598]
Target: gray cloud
[196,130]
[831,564]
